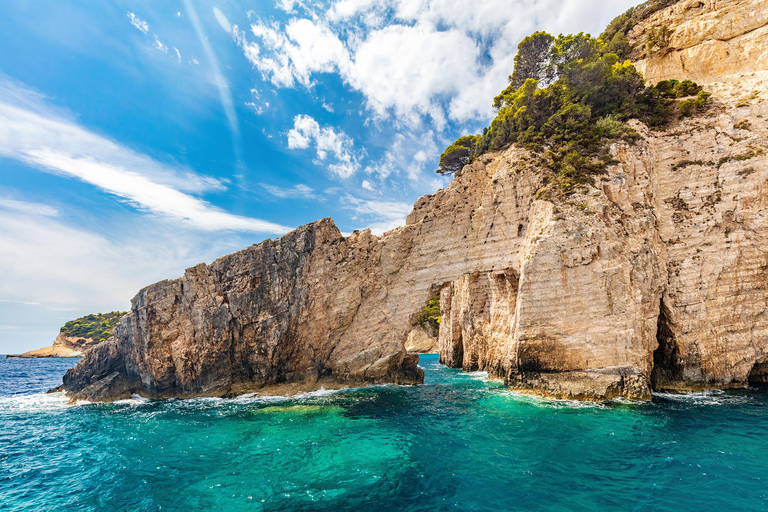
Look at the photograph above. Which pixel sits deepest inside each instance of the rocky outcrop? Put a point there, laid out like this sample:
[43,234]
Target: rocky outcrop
[63,346]
[653,278]
[421,341]
[296,313]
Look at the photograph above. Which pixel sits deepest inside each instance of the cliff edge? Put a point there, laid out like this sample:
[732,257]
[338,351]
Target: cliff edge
[652,277]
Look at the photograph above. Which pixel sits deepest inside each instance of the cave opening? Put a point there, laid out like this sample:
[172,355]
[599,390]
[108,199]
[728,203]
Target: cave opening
[758,376]
[667,365]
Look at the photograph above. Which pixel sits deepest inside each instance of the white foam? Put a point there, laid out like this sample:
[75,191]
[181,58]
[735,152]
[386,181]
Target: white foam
[708,397]
[34,403]
[134,401]
[553,403]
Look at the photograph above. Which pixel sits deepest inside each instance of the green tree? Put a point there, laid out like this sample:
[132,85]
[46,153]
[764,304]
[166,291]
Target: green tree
[532,60]
[457,155]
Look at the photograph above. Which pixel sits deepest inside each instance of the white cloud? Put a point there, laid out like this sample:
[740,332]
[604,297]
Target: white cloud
[27,207]
[222,19]
[288,6]
[408,68]
[367,185]
[33,133]
[416,58]
[305,48]
[379,216]
[160,46]
[298,191]
[178,55]
[138,22]
[409,152]
[52,266]
[257,105]
[307,131]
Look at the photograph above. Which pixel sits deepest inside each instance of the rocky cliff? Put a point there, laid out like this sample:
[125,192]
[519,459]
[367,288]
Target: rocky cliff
[654,277]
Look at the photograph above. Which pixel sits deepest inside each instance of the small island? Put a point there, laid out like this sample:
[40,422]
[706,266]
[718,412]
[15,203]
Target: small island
[77,336]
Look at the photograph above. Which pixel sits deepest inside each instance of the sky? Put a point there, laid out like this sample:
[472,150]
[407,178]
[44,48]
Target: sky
[139,138]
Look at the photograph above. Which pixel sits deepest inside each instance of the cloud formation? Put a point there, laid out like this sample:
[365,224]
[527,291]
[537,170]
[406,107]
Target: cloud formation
[379,216]
[440,59]
[297,191]
[306,131]
[39,136]
[138,22]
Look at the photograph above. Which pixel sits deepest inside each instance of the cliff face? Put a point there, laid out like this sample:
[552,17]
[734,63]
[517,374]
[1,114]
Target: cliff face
[711,41]
[654,278]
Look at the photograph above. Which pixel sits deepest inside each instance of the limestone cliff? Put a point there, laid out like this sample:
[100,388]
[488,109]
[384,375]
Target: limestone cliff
[652,278]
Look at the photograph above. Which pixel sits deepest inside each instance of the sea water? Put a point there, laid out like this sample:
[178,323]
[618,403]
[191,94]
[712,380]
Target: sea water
[457,442]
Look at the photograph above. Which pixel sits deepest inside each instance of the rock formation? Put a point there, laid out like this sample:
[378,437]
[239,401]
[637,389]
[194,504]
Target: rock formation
[421,341]
[653,278]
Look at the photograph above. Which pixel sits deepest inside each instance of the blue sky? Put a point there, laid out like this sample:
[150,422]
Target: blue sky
[139,138]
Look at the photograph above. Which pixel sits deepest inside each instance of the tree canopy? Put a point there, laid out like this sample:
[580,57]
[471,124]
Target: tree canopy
[98,327]
[457,155]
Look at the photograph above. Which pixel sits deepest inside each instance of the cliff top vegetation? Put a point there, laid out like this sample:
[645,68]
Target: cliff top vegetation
[98,327]
[615,35]
[568,98]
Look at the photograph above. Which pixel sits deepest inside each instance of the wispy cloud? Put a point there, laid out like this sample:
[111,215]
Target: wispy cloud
[160,46]
[22,302]
[379,216]
[26,207]
[218,78]
[138,22]
[39,136]
[298,191]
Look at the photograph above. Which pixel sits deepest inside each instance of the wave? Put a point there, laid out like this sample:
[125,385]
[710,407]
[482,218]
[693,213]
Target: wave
[36,402]
[553,403]
[708,397]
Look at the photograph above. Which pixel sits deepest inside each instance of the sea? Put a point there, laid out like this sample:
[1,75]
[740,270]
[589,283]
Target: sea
[458,442]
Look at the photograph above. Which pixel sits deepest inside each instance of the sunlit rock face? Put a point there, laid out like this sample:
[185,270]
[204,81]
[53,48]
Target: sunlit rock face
[653,278]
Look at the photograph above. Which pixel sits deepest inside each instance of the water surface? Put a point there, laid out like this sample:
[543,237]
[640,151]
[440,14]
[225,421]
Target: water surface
[458,442]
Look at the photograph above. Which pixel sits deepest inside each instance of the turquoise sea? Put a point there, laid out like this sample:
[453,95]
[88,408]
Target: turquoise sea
[458,442]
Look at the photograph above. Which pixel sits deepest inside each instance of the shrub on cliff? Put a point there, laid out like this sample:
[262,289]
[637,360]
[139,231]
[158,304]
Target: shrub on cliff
[615,35]
[98,327]
[429,318]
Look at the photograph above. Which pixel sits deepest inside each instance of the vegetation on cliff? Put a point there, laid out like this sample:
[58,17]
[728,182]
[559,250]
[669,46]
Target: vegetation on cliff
[615,35]
[97,327]
[429,318]
[567,99]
